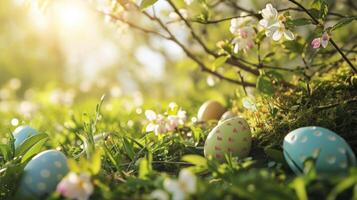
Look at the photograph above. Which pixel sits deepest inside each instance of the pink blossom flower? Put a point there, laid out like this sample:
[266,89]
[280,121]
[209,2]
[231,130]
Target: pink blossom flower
[320,41]
[316,43]
[76,186]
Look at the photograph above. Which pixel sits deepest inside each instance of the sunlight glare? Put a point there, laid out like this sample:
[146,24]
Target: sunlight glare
[72,15]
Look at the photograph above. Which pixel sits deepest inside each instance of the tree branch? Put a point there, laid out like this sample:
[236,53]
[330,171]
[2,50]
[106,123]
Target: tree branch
[331,40]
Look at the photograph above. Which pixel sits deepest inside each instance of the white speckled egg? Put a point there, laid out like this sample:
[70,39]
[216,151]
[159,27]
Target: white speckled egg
[231,136]
[210,110]
[21,133]
[42,174]
[332,153]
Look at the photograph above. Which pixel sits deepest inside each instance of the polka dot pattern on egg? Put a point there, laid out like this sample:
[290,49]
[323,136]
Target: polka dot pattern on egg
[332,153]
[43,173]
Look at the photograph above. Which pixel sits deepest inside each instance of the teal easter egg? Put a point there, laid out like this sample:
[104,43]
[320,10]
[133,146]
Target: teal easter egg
[43,173]
[21,133]
[331,152]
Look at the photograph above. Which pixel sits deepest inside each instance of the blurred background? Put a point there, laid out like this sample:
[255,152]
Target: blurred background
[60,57]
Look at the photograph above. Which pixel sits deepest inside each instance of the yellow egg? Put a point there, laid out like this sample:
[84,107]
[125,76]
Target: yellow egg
[210,110]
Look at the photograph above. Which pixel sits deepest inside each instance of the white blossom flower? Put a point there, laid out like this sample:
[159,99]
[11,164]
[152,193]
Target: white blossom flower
[244,39]
[242,21]
[244,33]
[159,195]
[76,186]
[172,122]
[184,186]
[278,31]
[182,117]
[173,106]
[270,16]
[157,122]
[188,2]
[273,23]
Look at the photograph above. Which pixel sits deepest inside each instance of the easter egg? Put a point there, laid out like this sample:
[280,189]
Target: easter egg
[21,133]
[210,110]
[227,115]
[331,152]
[231,136]
[42,174]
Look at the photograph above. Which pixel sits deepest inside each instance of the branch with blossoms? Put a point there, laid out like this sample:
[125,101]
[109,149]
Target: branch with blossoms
[249,30]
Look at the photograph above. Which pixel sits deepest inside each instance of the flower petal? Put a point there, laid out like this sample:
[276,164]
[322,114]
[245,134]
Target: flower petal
[159,195]
[150,127]
[324,43]
[264,23]
[277,35]
[236,48]
[289,35]
[150,115]
[187,178]
[172,186]
[316,43]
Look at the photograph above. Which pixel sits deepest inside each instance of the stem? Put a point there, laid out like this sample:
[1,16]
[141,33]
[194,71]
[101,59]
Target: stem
[332,41]
[204,46]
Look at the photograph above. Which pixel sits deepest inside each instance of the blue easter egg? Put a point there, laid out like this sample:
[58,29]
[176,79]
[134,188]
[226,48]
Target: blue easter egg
[43,173]
[331,151]
[21,133]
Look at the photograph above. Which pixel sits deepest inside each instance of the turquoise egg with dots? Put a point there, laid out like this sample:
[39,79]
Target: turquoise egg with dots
[21,133]
[42,174]
[330,151]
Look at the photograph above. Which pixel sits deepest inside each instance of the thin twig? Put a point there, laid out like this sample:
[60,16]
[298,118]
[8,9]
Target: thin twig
[336,104]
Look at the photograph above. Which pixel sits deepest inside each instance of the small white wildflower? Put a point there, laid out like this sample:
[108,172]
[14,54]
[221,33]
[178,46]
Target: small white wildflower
[184,186]
[76,186]
[159,195]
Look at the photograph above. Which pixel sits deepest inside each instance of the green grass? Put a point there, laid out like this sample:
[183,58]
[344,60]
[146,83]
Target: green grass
[130,163]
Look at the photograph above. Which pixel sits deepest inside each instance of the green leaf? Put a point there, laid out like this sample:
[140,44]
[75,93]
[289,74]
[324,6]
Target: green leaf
[36,148]
[322,7]
[145,166]
[73,166]
[195,160]
[146,3]
[111,157]
[264,85]
[299,185]
[299,22]
[274,75]
[218,62]
[342,186]
[343,22]
[29,143]
[129,148]
[5,151]
[96,162]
